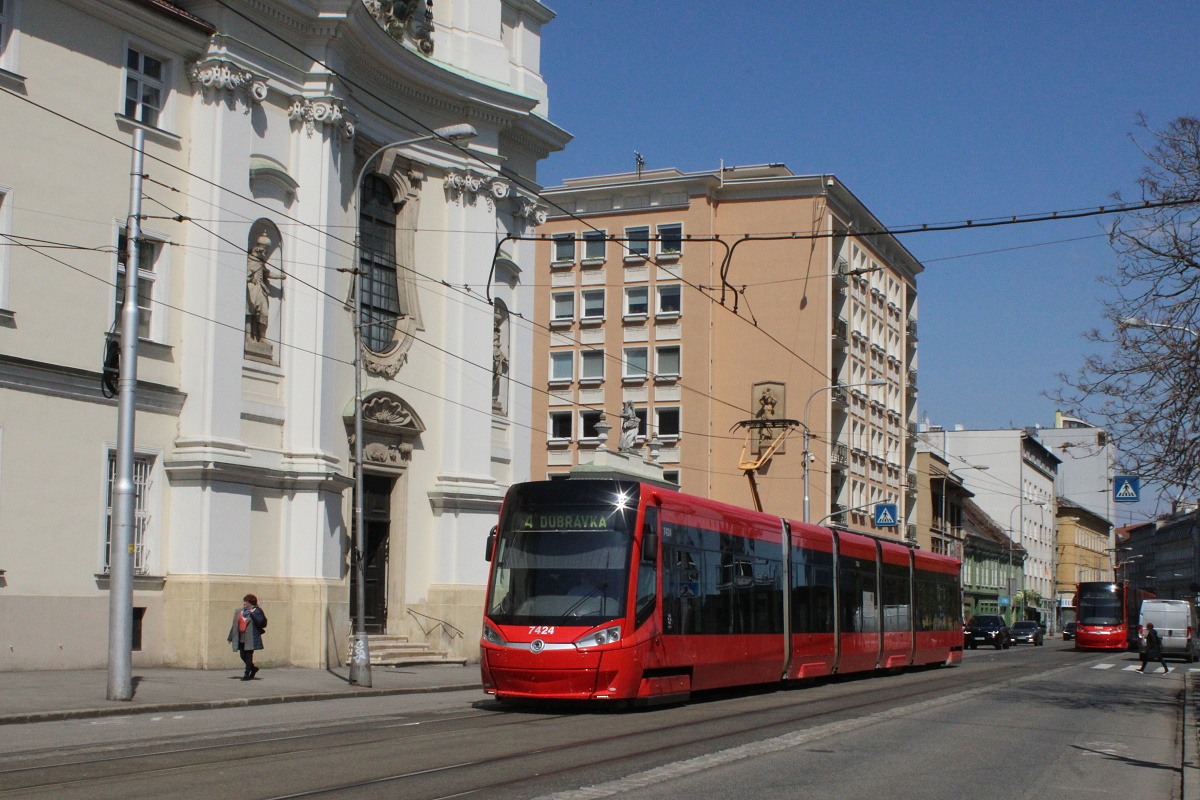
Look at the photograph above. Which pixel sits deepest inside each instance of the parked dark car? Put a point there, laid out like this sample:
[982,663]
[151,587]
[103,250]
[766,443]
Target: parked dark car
[987,629]
[1068,631]
[1027,631]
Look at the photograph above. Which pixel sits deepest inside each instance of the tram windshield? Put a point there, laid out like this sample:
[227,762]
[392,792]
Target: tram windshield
[562,554]
[1100,605]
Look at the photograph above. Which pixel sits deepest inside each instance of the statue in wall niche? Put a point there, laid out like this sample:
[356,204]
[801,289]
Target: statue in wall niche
[766,411]
[629,427]
[500,361]
[258,289]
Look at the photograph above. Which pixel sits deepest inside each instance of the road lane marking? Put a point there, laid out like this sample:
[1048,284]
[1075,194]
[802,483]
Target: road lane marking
[678,769]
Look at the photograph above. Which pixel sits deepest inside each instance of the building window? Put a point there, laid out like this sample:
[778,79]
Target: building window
[637,301]
[591,365]
[148,252]
[593,246]
[671,476]
[587,424]
[642,415]
[6,26]
[638,243]
[666,423]
[670,239]
[564,248]
[560,425]
[145,91]
[5,227]
[563,307]
[143,471]
[667,363]
[637,365]
[381,308]
[593,305]
[669,300]
[562,366]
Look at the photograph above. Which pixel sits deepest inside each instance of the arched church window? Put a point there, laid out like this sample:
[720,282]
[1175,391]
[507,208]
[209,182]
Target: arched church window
[381,307]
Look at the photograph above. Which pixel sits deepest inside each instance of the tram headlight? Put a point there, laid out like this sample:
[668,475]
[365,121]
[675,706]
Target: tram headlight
[602,636]
[492,636]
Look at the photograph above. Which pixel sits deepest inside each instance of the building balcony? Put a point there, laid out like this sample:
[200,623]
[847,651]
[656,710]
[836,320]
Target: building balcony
[841,268]
[911,327]
[839,397]
[839,457]
[840,333]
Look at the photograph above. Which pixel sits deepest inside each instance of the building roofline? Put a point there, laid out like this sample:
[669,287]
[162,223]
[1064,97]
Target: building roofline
[858,218]
[178,14]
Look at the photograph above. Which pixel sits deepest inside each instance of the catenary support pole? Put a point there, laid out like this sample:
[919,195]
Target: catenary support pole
[360,658]
[124,493]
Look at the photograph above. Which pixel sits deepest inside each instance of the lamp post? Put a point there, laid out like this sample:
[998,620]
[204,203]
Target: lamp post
[360,658]
[807,403]
[1138,322]
[1021,534]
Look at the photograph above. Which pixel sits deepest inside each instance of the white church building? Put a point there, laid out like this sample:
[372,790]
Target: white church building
[258,118]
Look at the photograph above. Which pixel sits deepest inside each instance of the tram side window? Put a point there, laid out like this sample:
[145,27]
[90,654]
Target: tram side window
[897,614]
[812,591]
[937,602]
[767,595]
[647,584]
[681,591]
[859,604]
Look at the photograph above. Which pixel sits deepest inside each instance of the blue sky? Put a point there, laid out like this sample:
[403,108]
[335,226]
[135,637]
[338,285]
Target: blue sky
[929,112]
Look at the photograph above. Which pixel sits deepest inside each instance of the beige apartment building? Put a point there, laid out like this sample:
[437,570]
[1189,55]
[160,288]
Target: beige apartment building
[703,300]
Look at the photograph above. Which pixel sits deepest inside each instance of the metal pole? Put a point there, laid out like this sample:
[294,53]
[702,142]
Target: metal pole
[124,493]
[360,658]
[805,457]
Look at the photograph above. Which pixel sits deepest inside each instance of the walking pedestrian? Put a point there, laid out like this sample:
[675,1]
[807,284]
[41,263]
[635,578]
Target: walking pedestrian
[246,634]
[1153,651]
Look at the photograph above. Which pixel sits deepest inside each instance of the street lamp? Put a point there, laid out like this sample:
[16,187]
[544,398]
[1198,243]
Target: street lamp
[360,659]
[807,403]
[1138,322]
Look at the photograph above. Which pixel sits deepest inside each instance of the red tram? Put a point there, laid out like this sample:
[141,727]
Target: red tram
[619,590]
[1106,615]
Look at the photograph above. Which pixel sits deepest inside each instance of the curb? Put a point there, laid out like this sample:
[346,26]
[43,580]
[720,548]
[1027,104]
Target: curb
[1189,769]
[237,702]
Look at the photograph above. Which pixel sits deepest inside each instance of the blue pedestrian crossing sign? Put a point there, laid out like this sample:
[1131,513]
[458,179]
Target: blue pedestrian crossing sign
[1127,489]
[886,515]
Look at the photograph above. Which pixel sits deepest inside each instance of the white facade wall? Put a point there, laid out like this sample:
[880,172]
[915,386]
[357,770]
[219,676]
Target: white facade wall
[1017,478]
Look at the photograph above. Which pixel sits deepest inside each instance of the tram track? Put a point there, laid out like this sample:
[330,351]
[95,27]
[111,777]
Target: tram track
[798,707]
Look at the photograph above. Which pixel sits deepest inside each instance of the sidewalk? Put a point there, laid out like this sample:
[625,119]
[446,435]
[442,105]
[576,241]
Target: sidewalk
[78,694]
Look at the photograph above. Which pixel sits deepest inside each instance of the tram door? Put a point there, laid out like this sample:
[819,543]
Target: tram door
[377,501]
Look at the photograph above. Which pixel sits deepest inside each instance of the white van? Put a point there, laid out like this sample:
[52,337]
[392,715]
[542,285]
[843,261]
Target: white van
[1177,624]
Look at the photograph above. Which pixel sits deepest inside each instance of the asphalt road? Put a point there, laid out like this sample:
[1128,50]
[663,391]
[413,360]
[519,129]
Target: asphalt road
[1041,722]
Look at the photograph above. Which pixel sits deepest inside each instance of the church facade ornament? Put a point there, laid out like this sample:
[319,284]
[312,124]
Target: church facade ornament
[390,429]
[216,76]
[328,111]
[467,186]
[409,22]
[529,211]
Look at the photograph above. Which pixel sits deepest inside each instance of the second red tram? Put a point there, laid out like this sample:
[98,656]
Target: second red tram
[619,590]
[1106,615]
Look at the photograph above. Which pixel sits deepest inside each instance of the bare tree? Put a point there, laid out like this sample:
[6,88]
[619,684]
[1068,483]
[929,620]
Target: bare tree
[1146,389]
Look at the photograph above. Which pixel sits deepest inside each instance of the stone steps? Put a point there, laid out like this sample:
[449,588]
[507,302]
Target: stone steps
[391,651]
